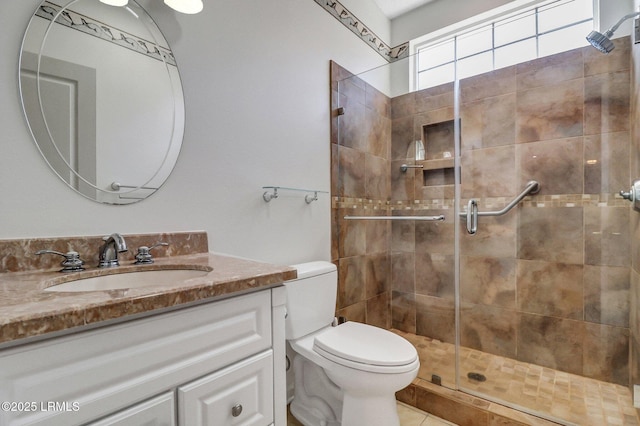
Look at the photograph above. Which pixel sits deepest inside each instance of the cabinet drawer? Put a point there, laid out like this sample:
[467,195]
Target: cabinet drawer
[158,411]
[111,368]
[237,395]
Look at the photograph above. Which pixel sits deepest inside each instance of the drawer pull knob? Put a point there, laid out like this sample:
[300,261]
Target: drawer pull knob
[236,410]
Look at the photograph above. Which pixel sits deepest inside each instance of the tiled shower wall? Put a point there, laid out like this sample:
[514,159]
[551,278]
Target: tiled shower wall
[360,185]
[547,283]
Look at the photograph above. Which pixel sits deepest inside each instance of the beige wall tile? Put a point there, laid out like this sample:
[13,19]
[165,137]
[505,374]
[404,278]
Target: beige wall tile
[435,237]
[605,157]
[402,139]
[489,172]
[489,329]
[378,270]
[550,70]
[550,112]
[496,236]
[607,240]
[351,279]
[403,106]
[434,98]
[606,295]
[551,234]
[488,281]
[377,132]
[402,272]
[618,60]
[488,122]
[494,83]
[377,184]
[550,288]
[378,310]
[607,101]
[435,317]
[403,311]
[351,172]
[556,164]
[435,275]
[551,342]
[606,353]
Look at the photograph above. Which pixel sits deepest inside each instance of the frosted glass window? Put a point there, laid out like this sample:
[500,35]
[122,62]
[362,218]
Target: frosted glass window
[515,53]
[515,29]
[563,13]
[564,39]
[436,55]
[474,42]
[474,65]
[436,76]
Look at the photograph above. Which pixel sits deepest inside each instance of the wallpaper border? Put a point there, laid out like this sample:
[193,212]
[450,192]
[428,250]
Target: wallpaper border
[349,20]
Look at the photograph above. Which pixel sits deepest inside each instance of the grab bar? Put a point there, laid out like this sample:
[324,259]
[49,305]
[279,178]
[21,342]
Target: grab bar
[472,213]
[439,218]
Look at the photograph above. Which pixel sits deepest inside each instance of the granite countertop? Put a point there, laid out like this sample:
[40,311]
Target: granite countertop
[27,311]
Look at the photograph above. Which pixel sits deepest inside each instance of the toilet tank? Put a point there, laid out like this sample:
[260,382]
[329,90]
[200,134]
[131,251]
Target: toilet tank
[311,298]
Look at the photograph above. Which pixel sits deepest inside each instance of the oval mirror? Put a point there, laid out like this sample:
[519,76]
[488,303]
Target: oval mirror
[103,98]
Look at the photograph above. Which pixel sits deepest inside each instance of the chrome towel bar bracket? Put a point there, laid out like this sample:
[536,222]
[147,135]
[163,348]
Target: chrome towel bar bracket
[308,198]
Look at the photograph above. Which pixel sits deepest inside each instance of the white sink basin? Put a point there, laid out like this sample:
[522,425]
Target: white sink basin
[126,280]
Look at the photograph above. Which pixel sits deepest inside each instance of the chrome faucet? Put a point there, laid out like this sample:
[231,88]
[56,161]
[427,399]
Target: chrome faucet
[113,244]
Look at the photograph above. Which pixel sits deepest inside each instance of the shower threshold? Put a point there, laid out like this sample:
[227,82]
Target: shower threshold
[523,389]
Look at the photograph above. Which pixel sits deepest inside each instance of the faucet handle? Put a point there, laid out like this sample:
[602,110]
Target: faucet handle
[71,262]
[143,257]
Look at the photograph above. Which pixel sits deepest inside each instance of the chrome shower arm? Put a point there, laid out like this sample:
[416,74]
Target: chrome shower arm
[613,29]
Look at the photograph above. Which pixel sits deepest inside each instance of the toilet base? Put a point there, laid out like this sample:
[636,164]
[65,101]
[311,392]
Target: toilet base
[317,400]
[370,411]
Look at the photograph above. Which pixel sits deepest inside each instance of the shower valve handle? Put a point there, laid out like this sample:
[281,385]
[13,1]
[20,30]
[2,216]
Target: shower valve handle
[633,195]
[627,195]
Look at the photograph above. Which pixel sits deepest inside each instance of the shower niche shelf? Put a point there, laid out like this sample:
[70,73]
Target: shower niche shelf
[438,164]
[437,172]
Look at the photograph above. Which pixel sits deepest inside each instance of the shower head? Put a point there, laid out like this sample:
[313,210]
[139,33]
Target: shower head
[603,42]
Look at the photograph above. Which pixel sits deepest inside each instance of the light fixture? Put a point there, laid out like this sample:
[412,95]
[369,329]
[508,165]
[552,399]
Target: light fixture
[603,42]
[115,2]
[185,6]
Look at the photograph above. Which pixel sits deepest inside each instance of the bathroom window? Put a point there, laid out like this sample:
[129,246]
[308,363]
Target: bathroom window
[506,39]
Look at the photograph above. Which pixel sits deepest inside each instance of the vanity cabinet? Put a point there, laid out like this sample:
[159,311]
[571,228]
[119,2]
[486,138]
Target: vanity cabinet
[191,366]
[158,411]
[239,394]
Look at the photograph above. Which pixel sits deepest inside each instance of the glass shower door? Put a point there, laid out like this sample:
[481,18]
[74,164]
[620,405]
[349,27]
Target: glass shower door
[544,288]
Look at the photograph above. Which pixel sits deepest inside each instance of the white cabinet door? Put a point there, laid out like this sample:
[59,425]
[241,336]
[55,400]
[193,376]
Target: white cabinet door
[237,395]
[158,411]
[106,370]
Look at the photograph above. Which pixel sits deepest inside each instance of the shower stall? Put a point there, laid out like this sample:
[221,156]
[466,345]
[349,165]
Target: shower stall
[515,292]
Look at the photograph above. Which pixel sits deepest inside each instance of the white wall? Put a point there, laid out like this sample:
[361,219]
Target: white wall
[436,15]
[256,83]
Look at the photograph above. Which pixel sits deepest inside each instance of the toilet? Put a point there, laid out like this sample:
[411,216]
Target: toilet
[344,374]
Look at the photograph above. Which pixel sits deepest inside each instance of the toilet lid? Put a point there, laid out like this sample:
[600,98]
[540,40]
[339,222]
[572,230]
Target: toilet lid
[366,344]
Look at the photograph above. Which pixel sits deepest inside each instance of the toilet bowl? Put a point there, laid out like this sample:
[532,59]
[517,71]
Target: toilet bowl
[346,374]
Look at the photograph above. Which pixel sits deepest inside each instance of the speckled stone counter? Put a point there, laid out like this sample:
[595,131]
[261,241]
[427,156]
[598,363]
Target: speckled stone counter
[27,311]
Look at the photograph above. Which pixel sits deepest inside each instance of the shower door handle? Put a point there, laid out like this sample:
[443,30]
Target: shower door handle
[472,216]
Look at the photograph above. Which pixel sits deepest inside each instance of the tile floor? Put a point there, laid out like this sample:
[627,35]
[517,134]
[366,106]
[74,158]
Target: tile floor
[409,416]
[565,397]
